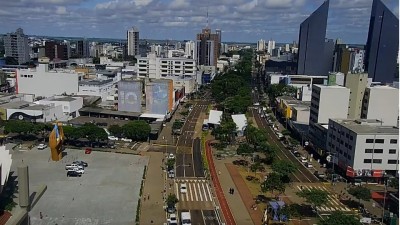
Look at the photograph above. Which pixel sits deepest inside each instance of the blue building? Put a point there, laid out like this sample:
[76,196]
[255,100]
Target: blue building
[382,44]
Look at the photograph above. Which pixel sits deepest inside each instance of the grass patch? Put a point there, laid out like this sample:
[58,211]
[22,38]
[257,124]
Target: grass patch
[138,213]
[203,151]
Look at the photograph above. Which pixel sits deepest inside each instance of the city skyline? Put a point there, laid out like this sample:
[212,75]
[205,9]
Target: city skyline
[239,20]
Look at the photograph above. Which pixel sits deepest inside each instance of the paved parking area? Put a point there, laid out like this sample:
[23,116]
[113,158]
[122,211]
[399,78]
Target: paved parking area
[106,194]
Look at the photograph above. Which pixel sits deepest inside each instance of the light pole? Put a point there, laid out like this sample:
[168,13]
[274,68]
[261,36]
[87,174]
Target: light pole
[165,144]
[384,201]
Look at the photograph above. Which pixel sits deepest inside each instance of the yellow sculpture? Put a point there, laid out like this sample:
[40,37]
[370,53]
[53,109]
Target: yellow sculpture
[56,139]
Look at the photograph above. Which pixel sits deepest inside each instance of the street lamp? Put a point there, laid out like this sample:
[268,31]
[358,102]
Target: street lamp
[165,144]
[329,158]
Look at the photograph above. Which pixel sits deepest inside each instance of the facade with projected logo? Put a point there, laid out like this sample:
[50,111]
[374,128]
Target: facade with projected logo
[130,96]
[159,96]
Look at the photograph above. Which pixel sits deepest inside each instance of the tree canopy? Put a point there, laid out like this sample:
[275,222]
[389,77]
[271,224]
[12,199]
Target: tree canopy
[273,183]
[283,167]
[315,197]
[340,218]
[361,193]
[137,130]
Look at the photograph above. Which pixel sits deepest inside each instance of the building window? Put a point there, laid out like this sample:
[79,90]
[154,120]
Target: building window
[380,141]
[350,147]
[378,150]
[346,145]
[367,160]
[368,150]
[347,135]
[349,157]
[369,141]
[351,137]
[393,141]
[377,161]
[393,161]
[345,154]
[392,151]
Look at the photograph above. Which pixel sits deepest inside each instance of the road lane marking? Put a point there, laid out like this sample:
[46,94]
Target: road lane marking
[191,194]
[201,197]
[195,192]
[204,191]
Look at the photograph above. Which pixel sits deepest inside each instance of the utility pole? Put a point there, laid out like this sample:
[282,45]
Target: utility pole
[384,201]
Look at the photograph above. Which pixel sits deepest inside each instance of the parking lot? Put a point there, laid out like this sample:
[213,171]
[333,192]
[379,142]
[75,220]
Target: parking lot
[107,193]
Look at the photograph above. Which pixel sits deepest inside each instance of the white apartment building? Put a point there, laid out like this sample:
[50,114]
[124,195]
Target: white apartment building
[132,36]
[70,105]
[271,46]
[364,147]
[158,68]
[102,88]
[327,102]
[381,103]
[261,45]
[41,81]
[16,46]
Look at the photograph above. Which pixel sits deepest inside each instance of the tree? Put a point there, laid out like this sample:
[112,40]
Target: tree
[137,130]
[171,200]
[256,167]
[92,132]
[292,211]
[394,183]
[18,126]
[116,130]
[273,183]
[361,193]
[96,60]
[315,197]
[244,149]
[284,168]
[340,218]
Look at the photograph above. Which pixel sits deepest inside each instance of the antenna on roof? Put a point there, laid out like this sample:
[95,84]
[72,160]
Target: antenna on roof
[207,17]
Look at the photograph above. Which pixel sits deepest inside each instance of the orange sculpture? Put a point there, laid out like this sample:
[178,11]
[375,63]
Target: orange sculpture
[56,139]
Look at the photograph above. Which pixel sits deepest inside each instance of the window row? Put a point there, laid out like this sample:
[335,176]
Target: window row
[368,150]
[379,161]
[380,141]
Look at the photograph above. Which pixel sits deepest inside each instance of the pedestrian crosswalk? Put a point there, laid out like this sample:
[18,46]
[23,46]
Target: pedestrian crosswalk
[197,190]
[333,203]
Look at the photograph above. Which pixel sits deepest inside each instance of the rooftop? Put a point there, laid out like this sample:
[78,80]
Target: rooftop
[330,86]
[63,99]
[367,126]
[95,82]
[109,112]
[15,105]
[37,107]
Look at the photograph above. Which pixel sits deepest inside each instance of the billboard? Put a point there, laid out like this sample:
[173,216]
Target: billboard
[130,96]
[159,99]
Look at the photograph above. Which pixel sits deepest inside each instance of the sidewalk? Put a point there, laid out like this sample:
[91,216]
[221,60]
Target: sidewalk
[152,211]
[235,203]
[245,194]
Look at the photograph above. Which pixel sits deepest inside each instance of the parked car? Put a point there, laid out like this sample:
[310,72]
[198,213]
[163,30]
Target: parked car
[171,174]
[172,220]
[78,170]
[72,173]
[261,198]
[183,188]
[303,159]
[171,156]
[82,163]
[126,139]
[171,209]
[241,162]
[72,166]
[308,165]
[319,175]
[41,146]
[112,138]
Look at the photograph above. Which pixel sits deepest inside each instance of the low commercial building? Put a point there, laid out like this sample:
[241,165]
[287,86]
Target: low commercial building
[70,105]
[41,81]
[102,88]
[364,148]
[214,118]
[23,110]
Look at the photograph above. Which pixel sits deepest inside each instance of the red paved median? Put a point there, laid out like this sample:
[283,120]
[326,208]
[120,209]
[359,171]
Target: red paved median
[229,220]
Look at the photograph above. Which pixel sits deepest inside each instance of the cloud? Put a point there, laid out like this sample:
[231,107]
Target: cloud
[179,4]
[61,10]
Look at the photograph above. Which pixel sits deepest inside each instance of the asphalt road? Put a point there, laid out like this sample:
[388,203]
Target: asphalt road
[202,217]
[198,164]
[302,174]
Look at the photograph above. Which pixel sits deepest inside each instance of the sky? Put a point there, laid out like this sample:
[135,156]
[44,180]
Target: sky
[239,20]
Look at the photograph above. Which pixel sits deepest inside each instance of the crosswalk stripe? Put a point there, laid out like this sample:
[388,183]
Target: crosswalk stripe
[204,191]
[298,188]
[201,197]
[195,192]
[177,190]
[209,192]
[191,194]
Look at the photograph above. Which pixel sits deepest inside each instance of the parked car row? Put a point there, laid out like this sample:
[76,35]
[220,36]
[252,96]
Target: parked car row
[76,169]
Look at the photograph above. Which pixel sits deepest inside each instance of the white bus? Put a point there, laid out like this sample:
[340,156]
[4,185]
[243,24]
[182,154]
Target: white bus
[185,218]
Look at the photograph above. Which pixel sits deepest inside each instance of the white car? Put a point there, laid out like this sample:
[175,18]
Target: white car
[112,138]
[183,188]
[303,159]
[171,156]
[78,170]
[126,139]
[41,146]
[308,165]
[172,219]
[72,166]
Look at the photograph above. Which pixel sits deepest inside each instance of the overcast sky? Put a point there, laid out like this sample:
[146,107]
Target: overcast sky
[239,20]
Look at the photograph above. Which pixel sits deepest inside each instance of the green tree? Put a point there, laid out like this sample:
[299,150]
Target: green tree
[170,163]
[18,126]
[137,130]
[171,200]
[394,183]
[361,193]
[273,183]
[70,132]
[96,60]
[92,132]
[116,130]
[315,197]
[256,167]
[292,211]
[340,218]
[283,167]
[244,149]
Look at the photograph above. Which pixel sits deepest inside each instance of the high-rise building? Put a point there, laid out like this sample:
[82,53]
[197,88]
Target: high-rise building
[16,46]
[287,48]
[82,48]
[207,48]
[312,43]
[357,84]
[271,46]
[55,50]
[382,44]
[190,49]
[261,45]
[133,41]
[219,33]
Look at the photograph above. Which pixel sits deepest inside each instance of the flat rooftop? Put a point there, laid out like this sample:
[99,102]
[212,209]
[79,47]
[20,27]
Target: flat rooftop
[95,82]
[364,126]
[109,112]
[329,86]
[15,105]
[63,99]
